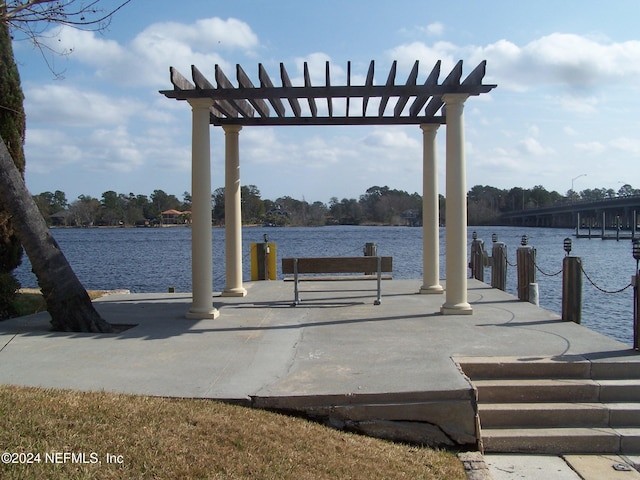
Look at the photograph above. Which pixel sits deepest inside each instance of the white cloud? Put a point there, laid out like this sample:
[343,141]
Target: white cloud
[630,146]
[63,104]
[145,60]
[435,29]
[591,148]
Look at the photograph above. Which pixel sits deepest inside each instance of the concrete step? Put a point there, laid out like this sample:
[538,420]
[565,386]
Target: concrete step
[557,405]
[536,390]
[477,368]
[510,415]
[557,390]
[561,440]
[520,415]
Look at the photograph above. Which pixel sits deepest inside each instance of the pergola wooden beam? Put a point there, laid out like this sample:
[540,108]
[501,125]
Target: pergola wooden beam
[390,82]
[293,101]
[237,105]
[402,101]
[367,85]
[432,80]
[312,100]
[245,82]
[328,84]
[265,82]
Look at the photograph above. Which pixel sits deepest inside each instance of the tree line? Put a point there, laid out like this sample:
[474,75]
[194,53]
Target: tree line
[377,205]
[485,204]
[381,205]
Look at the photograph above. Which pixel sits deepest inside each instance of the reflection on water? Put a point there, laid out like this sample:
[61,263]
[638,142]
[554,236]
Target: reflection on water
[152,259]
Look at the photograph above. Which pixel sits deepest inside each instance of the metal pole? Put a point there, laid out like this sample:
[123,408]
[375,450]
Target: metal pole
[572,289]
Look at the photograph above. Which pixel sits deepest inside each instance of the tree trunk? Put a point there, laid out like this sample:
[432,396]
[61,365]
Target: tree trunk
[67,300]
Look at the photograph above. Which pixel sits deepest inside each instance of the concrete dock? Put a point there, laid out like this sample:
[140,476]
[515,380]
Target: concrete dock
[391,370]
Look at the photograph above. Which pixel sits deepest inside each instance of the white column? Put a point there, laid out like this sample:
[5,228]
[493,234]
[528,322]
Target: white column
[201,238]
[430,223]
[233,213]
[456,214]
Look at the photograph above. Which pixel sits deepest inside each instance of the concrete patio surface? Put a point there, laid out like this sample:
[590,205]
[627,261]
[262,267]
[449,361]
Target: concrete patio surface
[336,356]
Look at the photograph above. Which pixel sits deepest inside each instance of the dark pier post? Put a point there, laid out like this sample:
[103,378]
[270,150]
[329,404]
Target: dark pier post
[498,264]
[571,286]
[370,250]
[526,259]
[477,258]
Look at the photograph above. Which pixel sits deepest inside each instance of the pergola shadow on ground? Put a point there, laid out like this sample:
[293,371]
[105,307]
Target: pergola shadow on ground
[428,104]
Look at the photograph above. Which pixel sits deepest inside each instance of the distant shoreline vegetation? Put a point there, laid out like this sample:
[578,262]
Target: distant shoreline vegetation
[377,206]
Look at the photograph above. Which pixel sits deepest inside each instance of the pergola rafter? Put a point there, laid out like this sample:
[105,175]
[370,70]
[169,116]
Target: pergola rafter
[246,104]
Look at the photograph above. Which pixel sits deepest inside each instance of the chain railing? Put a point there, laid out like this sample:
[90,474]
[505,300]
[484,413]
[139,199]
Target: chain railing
[571,281]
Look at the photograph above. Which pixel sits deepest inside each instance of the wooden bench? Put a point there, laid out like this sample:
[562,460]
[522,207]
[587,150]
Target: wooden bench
[323,265]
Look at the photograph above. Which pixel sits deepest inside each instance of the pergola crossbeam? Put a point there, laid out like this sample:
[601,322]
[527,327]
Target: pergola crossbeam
[402,101]
[328,83]
[240,105]
[367,85]
[307,83]
[286,82]
[388,87]
[432,80]
[265,82]
[452,80]
[233,105]
[245,82]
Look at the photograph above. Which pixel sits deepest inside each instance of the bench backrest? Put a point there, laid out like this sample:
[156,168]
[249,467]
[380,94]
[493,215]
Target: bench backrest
[337,264]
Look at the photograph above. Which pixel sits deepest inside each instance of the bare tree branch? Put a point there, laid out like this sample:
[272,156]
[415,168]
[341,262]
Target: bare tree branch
[32,18]
[75,13]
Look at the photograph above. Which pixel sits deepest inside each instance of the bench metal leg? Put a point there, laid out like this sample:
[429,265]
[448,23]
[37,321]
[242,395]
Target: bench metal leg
[296,301]
[379,299]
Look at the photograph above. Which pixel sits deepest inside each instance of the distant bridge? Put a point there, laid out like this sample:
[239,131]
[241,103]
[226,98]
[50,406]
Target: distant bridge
[598,218]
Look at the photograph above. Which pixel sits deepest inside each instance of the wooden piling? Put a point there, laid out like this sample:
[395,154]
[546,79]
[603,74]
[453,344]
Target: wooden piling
[477,259]
[572,289]
[499,266]
[526,258]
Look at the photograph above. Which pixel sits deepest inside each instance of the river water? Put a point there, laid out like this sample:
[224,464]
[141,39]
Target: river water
[149,260]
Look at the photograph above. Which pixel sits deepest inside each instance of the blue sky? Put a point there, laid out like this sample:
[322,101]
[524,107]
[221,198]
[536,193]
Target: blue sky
[566,105]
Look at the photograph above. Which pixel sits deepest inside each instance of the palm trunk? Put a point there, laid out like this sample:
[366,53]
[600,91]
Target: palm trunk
[67,300]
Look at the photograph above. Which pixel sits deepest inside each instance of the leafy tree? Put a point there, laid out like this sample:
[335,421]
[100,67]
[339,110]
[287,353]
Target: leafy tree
[252,206]
[85,211]
[67,301]
[112,208]
[627,191]
[217,206]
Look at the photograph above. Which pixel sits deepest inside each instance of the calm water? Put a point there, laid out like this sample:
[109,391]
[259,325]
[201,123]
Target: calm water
[151,260]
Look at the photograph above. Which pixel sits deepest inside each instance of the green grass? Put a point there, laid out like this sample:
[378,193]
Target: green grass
[158,438]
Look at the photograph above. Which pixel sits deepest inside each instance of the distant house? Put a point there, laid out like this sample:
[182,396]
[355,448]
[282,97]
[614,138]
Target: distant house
[61,218]
[175,217]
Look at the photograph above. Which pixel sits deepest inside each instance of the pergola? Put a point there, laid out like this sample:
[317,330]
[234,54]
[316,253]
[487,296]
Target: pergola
[429,105]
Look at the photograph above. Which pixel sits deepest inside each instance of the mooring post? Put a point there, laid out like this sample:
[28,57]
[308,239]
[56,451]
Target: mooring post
[526,259]
[477,257]
[571,286]
[499,265]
